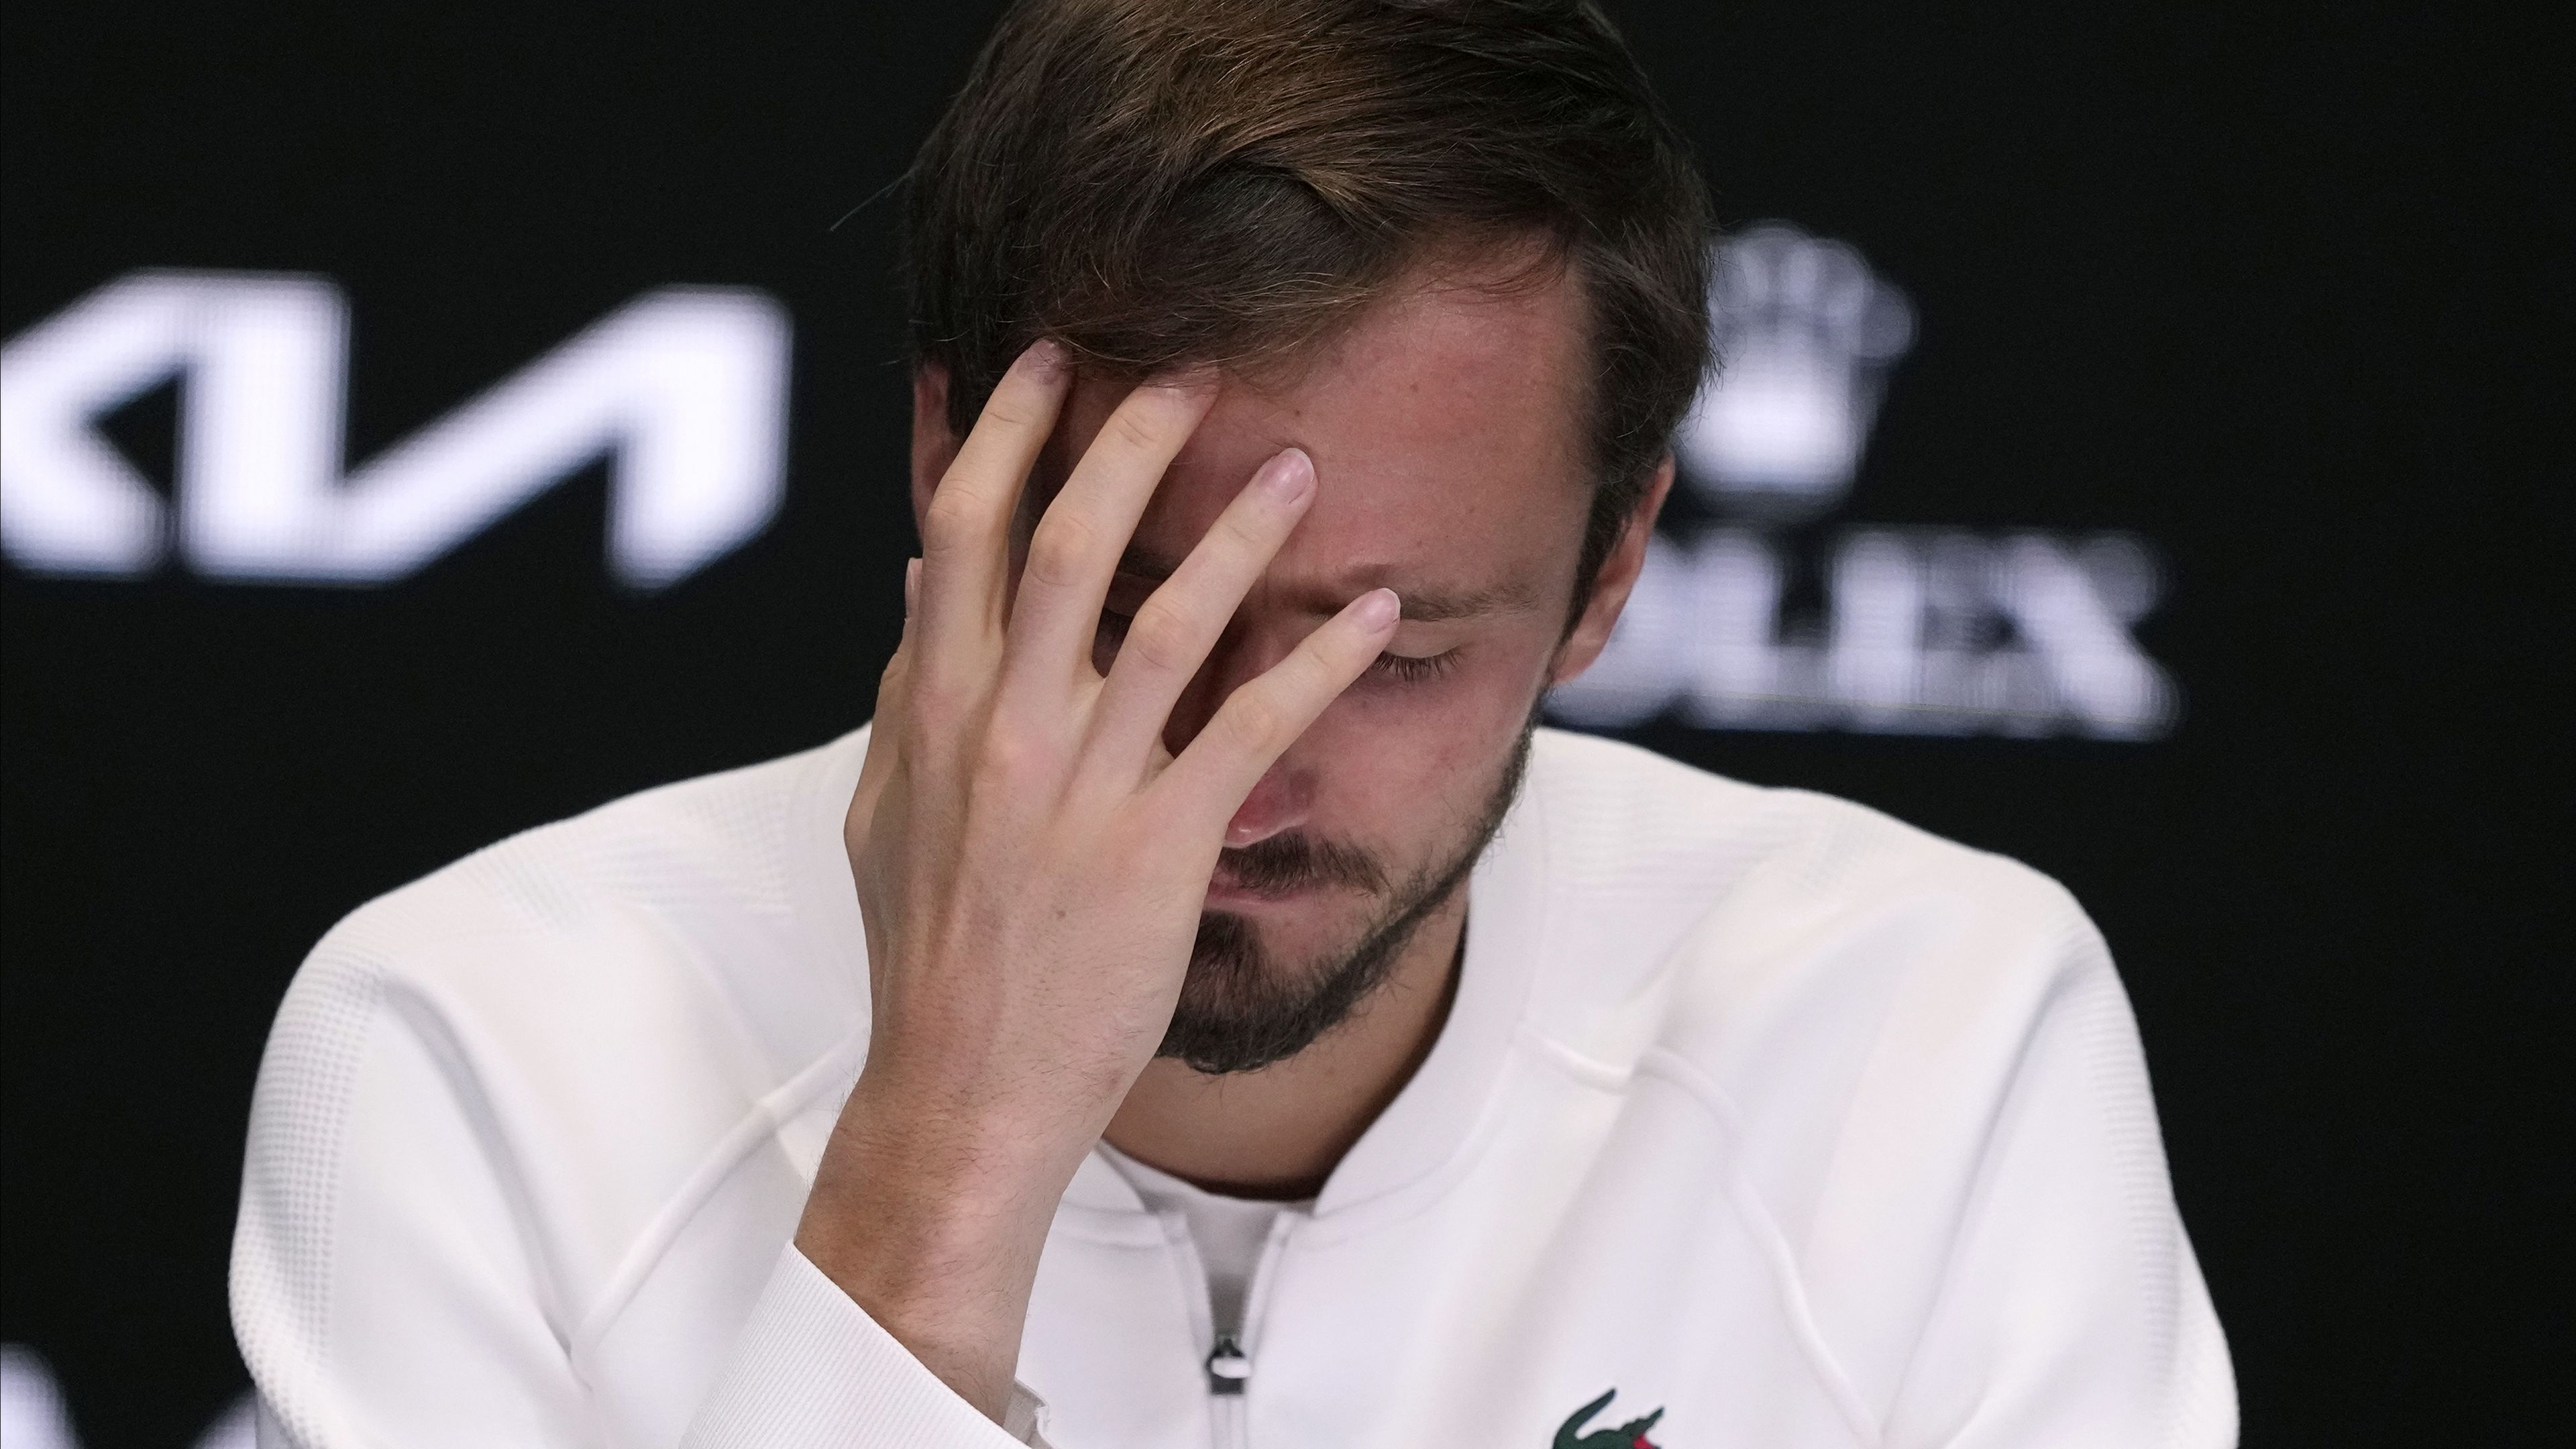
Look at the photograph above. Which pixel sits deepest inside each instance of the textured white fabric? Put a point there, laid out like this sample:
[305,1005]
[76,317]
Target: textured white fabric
[812,1368]
[1760,1108]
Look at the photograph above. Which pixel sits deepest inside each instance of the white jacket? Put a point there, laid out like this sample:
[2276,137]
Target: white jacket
[1755,1106]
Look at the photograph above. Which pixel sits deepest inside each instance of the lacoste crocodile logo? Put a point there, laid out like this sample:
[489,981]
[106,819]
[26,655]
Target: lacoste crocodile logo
[1630,1435]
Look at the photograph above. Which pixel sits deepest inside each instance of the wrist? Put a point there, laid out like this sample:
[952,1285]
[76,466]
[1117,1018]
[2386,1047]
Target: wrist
[958,1136]
[933,1223]
[940,1200]
[951,1287]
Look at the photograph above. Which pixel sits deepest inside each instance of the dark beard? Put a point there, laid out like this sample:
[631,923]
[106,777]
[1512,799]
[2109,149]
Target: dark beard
[1241,1010]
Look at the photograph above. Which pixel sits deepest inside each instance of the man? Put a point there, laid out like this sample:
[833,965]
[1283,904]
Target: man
[1201,1008]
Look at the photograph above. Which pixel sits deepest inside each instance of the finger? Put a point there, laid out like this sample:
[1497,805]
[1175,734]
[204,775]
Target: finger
[966,530]
[885,726]
[1075,548]
[1264,716]
[1173,630]
[907,646]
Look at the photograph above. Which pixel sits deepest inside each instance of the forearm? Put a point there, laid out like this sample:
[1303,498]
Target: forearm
[936,1234]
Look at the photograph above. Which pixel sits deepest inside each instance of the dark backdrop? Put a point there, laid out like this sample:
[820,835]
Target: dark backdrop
[2280,291]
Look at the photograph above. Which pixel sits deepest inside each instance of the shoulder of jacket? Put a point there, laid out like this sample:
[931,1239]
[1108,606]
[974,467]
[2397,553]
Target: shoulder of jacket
[713,838]
[1707,907]
[616,1010]
[673,910]
[1617,814]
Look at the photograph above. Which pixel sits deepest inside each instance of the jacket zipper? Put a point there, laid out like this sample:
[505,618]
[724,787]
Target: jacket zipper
[1228,1365]
[1229,1373]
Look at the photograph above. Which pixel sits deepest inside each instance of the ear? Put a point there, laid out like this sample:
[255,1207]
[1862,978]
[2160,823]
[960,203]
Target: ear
[1618,577]
[934,445]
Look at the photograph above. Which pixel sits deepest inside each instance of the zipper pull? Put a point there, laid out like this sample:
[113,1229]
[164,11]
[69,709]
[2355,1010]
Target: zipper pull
[1228,1366]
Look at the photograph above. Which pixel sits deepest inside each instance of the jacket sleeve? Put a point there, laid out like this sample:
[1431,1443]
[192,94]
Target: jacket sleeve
[812,1368]
[2071,1310]
[391,1288]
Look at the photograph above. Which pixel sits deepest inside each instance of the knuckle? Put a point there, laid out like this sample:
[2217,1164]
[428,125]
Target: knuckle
[999,753]
[1011,409]
[1136,426]
[1162,636]
[1332,652]
[1246,532]
[1060,549]
[1011,756]
[949,522]
[1252,723]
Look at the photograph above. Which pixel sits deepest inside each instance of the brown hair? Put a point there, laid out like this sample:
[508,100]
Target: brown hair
[1156,182]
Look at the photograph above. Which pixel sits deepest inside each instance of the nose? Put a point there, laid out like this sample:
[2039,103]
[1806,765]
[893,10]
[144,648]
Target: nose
[1284,796]
[1278,804]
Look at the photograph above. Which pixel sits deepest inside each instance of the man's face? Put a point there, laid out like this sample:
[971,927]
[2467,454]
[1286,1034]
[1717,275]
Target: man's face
[1450,466]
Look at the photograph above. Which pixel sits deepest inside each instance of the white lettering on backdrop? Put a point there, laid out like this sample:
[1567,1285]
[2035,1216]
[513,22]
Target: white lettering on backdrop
[1917,630]
[684,389]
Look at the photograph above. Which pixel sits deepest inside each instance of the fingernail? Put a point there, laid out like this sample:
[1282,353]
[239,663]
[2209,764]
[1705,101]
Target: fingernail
[1287,477]
[1045,357]
[911,584]
[1378,608]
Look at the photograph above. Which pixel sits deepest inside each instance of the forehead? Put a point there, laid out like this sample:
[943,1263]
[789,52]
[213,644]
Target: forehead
[1445,426]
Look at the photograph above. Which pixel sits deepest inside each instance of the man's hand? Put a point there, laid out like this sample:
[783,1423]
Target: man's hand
[1031,860]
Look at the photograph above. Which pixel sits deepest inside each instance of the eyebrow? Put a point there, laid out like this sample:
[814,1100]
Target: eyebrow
[1427,606]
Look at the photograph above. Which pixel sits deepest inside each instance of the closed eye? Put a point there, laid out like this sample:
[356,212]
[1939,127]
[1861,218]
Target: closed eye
[1406,669]
[1400,668]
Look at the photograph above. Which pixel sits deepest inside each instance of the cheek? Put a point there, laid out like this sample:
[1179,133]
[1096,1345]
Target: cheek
[1390,760]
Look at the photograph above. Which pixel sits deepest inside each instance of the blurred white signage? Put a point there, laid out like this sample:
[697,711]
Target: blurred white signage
[685,389]
[1914,630]
[1919,630]
[1803,333]
[33,1415]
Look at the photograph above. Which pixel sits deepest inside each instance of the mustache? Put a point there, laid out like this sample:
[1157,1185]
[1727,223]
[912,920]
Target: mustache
[1286,863]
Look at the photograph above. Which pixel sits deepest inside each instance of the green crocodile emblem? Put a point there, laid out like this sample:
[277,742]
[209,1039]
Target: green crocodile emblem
[1630,1435]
